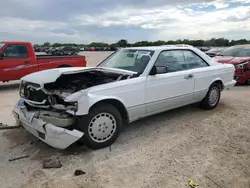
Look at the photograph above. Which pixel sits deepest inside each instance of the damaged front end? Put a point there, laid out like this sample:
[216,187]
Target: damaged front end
[52,127]
[44,111]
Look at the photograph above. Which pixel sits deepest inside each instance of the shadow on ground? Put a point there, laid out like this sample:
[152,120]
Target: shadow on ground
[9,86]
[144,127]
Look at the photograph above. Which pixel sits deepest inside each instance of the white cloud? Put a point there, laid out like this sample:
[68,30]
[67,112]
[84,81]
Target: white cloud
[164,23]
[219,4]
[174,22]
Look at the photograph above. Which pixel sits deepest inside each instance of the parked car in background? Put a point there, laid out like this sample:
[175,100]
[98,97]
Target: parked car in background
[66,50]
[214,51]
[98,49]
[18,59]
[203,48]
[82,49]
[91,49]
[113,48]
[47,49]
[61,106]
[239,56]
[38,49]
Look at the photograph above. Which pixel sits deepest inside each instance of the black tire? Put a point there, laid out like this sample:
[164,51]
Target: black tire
[207,103]
[247,82]
[85,122]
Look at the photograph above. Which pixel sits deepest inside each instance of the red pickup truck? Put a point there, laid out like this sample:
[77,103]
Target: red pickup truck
[18,59]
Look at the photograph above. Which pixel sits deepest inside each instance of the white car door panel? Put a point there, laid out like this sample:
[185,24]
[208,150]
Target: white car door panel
[203,79]
[171,89]
[165,91]
[203,74]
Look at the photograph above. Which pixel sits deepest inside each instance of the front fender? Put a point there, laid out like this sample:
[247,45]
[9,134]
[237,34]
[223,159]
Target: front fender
[87,101]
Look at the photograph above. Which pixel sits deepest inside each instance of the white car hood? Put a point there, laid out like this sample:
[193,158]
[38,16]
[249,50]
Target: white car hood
[50,76]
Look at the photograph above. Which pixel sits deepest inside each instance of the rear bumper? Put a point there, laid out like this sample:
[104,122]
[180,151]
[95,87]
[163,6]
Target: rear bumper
[229,85]
[54,136]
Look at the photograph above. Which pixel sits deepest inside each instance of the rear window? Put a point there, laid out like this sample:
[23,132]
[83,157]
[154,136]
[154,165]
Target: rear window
[237,51]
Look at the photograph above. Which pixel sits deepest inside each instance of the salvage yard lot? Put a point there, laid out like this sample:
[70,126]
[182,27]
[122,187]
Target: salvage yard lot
[166,150]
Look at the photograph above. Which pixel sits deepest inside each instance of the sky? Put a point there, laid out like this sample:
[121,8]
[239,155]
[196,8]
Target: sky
[86,21]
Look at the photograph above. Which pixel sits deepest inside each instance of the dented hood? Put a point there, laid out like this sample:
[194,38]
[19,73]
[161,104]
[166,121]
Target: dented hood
[50,76]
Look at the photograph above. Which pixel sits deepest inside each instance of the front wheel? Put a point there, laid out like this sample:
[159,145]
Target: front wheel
[212,98]
[101,126]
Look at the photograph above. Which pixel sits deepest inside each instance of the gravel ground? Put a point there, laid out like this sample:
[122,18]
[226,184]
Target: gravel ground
[165,150]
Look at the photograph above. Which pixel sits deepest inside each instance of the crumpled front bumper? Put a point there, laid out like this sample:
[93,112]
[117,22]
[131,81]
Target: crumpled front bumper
[54,136]
[241,76]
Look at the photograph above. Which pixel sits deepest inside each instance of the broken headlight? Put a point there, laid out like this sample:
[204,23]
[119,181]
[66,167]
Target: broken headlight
[22,88]
[242,65]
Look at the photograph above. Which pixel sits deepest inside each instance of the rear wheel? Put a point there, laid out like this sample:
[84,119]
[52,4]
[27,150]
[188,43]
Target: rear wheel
[101,126]
[212,98]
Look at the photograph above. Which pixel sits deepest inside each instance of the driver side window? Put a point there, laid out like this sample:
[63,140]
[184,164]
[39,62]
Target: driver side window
[15,51]
[173,59]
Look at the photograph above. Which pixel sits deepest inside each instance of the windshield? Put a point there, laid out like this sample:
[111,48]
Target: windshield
[214,50]
[237,51]
[1,44]
[128,59]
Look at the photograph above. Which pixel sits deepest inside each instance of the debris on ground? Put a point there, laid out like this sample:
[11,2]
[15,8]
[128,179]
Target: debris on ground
[52,163]
[18,158]
[5,126]
[79,172]
[193,184]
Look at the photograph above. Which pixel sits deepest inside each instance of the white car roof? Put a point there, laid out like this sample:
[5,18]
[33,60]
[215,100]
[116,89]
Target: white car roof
[163,47]
[177,47]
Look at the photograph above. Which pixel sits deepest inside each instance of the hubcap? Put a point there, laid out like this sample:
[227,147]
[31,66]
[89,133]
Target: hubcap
[102,127]
[213,96]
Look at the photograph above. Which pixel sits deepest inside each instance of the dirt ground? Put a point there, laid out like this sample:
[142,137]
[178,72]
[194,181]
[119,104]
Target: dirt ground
[165,150]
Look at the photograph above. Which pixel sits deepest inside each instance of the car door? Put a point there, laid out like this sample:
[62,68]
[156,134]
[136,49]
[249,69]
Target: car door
[15,62]
[172,89]
[203,73]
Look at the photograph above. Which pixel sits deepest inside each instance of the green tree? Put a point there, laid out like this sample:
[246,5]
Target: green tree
[122,43]
[46,44]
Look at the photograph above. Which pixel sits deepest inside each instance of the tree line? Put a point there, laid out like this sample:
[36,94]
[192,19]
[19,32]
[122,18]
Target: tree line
[124,43]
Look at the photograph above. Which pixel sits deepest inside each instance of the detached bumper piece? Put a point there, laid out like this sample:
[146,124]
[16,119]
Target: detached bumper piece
[54,136]
[229,85]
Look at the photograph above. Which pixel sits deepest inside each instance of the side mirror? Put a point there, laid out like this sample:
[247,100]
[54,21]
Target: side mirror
[158,70]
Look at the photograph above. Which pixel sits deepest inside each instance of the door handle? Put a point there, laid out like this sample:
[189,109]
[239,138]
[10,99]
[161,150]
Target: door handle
[27,61]
[188,76]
